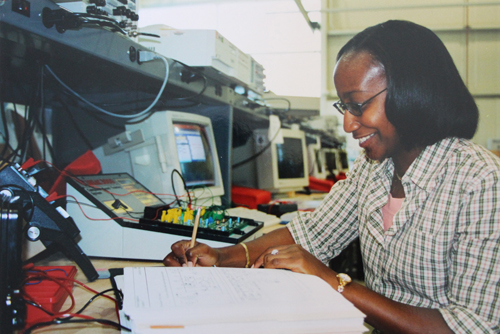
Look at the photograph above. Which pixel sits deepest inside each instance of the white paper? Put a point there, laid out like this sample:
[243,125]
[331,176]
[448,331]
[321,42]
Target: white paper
[229,298]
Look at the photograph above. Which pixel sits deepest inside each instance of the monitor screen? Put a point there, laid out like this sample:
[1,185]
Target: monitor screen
[331,160]
[335,161]
[290,159]
[283,166]
[194,154]
[344,163]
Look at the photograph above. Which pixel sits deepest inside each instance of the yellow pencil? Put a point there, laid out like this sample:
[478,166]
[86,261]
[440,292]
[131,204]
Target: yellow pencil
[165,326]
[195,227]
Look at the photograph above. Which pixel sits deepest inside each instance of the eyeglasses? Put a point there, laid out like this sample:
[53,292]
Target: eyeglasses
[355,109]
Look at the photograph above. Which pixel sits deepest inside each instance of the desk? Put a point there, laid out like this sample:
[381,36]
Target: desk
[101,307]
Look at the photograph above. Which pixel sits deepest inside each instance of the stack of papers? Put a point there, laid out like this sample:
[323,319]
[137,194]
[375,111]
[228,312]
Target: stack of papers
[234,300]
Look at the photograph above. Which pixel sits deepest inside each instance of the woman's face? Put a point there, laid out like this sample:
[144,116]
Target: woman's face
[357,78]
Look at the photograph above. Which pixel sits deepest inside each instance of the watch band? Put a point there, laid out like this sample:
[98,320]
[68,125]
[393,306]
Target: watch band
[344,280]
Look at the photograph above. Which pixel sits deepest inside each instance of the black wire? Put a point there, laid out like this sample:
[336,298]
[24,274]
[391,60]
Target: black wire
[46,142]
[161,104]
[95,115]
[6,130]
[41,122]
[173,186]
[26,96]
[25,141]
[15,121]
[103,23]
[279,99]
[29,120]
[92,299]
[205,85]
[205,81]
[32,303]
[69,319]
[26,135]
[100,20]
[96,16]
[238,164]
[63,321]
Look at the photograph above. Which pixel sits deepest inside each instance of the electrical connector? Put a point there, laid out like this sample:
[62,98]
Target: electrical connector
[144,56]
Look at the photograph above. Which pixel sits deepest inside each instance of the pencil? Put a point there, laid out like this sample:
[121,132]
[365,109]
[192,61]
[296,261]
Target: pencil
[165,326]
[195,227]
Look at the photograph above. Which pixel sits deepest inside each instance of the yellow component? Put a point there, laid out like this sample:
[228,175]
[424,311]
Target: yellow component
[163,216]
[188,215]
[176,215]
[171,214]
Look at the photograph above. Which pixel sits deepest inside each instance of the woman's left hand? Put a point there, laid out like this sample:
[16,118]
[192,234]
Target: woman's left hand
[294,258]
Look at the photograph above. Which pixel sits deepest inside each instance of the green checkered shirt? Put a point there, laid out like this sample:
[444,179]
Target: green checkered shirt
[443,249]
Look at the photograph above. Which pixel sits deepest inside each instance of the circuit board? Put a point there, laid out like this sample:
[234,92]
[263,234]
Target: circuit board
[213,220]
[132,205]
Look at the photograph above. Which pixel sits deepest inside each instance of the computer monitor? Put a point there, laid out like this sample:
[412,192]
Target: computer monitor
[344,161]
[168,153]
[335,162]
[316,160]
[283,166]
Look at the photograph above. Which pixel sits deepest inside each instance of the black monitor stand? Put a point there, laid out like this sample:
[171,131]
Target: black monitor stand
[12,305]
[51,225]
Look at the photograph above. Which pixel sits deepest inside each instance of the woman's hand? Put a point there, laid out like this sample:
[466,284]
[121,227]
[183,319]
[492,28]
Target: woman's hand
[200,255]
[294,258]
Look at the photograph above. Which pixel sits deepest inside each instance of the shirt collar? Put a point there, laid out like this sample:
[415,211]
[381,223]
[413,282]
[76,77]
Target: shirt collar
[427,169]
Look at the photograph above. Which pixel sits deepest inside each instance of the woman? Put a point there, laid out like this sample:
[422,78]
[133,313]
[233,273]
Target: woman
[422,199]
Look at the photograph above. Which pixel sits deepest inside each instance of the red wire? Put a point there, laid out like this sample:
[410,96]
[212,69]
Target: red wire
[99,219]
[64,173]
[106,296]
[60,281]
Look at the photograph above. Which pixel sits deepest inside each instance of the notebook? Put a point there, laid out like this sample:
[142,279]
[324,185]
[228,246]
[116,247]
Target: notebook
[233,300]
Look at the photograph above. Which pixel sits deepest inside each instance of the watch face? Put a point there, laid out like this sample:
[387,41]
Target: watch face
[345,278]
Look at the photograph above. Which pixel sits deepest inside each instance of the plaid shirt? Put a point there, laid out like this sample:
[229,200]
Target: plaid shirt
[443,249]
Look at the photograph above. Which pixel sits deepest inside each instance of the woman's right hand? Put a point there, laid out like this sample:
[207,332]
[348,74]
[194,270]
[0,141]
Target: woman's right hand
[200,255]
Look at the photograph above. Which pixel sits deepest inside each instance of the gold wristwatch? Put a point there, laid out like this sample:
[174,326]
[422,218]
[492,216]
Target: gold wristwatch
[344,280]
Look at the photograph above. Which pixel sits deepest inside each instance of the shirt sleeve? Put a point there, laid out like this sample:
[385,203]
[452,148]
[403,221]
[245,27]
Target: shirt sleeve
[334,224]
[474,278]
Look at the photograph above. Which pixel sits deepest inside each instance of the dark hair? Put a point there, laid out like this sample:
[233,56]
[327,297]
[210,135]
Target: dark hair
[427,99]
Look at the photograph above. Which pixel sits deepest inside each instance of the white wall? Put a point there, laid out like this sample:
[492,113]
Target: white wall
[300,62]
[273,32]
[475,50]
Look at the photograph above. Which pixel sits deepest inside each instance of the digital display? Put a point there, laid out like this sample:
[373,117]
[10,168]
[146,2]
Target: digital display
[331,161]
[290,159]
[195,155]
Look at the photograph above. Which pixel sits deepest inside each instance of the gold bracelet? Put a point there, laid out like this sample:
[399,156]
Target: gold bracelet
[246,253]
